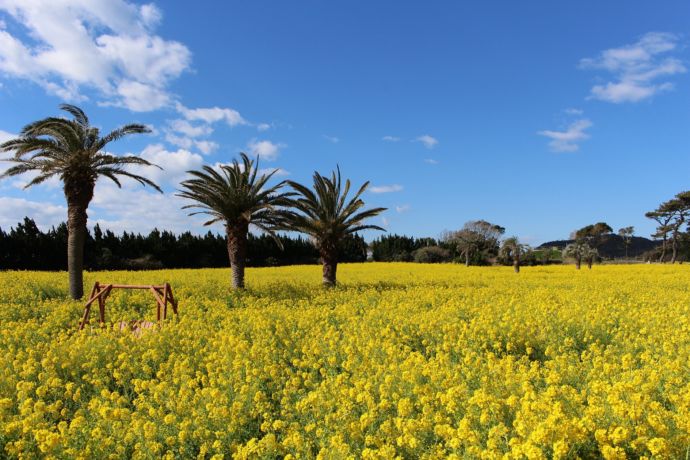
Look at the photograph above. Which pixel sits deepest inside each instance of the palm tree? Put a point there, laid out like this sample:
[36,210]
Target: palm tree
[73,151]
[326,214]
[578,250]
[237,196]
[590,254]
[513,249]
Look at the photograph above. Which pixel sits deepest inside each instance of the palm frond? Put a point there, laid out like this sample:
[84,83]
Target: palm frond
[326,212]
[72,149]
[78,114]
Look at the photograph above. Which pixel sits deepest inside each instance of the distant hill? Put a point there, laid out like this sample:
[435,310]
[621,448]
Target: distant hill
[612,246]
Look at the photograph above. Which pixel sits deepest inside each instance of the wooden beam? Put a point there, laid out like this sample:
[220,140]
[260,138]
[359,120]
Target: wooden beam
[162,293]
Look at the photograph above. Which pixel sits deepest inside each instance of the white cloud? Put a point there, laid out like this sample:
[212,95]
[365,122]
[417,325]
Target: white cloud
[332,139]
[183,134]
[569,139]
[206,147]
[386,188]
[573,111]
[5,136]
[190,130]
[212,115]
[46,215]
[279,172]
[263,127]
[122,210]
[402,208]
[636,69]
[175,165]
[428,141]
[266,150]
[431,161]
[150,15]
[390,138]
[105,45]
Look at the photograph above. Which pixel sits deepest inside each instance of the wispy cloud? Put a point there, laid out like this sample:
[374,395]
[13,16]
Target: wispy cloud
[265,149]
[386,188]
[428,141]
[175,164]
[431,161]
[569,139]
[190,130]
[332,139]
[199,122]
[13,210]
[402,208]
[637,69]
[5,136]
[212,115]
[573,111]
[109,47]
[279,172]
[390,138]
[263,127]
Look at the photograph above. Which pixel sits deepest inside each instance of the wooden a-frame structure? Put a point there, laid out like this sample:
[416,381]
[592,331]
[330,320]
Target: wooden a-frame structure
[100,292]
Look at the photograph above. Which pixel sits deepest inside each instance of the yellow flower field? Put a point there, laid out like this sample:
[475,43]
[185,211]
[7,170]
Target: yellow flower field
[401,360]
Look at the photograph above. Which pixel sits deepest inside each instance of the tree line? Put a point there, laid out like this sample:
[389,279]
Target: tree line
[26,247]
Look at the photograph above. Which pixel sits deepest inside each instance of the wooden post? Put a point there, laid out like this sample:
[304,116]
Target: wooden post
[163,294]
[173,302]
[87,307]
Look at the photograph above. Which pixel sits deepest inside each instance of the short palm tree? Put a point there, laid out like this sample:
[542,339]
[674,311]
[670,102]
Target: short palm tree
[237,196]
[590,255]
[73,151]
[326,214]
[513,249]
[578,250]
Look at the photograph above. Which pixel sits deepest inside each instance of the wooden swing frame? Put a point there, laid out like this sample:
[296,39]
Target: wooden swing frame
[100,292]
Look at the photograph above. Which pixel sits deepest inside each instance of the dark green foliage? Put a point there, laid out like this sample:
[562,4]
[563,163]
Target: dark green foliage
[431,255]
[26,247]
[398,248]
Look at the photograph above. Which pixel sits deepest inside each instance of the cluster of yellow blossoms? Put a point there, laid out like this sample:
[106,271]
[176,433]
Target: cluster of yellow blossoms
[401,360]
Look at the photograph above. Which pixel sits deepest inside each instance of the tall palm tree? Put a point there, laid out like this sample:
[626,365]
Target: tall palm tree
[237,196]
[73,151]
[326,215]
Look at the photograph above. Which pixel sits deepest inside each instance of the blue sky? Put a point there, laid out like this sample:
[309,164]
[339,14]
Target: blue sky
[540,116]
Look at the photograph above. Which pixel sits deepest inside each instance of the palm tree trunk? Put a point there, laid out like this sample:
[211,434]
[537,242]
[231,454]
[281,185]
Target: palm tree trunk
[76,238]
[329,259]
[78,197]
[237,251]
